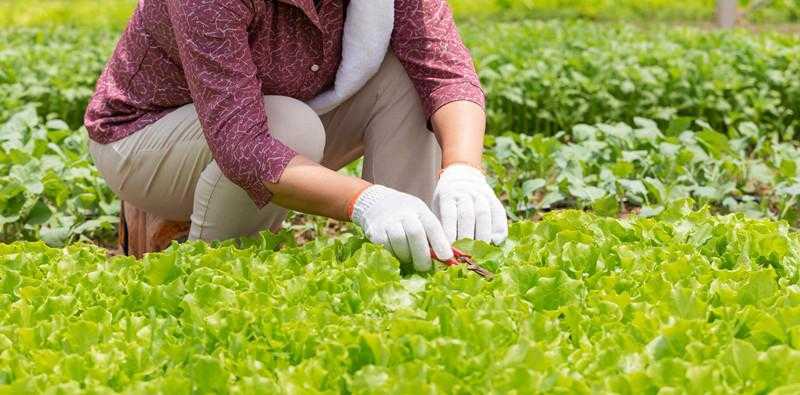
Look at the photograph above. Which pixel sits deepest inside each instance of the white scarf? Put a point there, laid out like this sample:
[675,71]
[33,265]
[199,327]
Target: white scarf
[365,42]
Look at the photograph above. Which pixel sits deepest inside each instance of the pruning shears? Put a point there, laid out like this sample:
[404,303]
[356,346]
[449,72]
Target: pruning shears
[462,258]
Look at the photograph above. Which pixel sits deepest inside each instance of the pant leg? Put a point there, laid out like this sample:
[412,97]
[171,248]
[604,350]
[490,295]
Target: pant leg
[156,169]
[167,170]
[385,122]
[223,210]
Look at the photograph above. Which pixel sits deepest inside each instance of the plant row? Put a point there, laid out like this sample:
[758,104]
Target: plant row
[616,169]
[116,12]
[540,77]
[632,10]
[49,188]
[736,158]
[54,69]
[544,77]
[686,303]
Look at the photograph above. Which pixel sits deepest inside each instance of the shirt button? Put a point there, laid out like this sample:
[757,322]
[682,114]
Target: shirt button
[315,68]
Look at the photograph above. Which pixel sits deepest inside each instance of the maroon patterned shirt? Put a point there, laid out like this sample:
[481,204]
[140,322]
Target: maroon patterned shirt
[224,55]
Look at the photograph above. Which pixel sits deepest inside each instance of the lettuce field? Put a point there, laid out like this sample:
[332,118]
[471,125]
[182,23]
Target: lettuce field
[651,172]
[582,304]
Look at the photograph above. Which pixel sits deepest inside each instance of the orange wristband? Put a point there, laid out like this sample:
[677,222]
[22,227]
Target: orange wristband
[352,203]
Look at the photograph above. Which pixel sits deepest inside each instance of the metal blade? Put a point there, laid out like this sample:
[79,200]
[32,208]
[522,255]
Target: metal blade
[481,271]
[476,268]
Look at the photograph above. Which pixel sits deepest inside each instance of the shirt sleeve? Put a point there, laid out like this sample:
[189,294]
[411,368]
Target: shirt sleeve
[427,43]
[212,41]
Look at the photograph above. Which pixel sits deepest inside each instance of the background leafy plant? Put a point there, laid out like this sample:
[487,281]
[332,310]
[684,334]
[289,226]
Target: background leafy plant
[74,13]
[54,69]
[541,78]
[618,168]
[544,77]
[115,13]
[49,188]
[619,10]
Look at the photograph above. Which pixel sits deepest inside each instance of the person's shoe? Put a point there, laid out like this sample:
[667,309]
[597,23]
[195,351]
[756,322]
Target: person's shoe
[142,233]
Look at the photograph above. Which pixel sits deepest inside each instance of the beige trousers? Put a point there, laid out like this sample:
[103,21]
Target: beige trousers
[167,169]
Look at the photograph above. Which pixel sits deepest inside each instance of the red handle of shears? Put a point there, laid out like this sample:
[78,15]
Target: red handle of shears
[454,261]
[460,257]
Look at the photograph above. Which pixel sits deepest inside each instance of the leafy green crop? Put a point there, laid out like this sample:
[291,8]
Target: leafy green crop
[53,68]
[680,302]
[49,13]
[687,303]
[614,169]
[616,10]
[543,77]
[662,10]
[49,188]
[540,78]
[116,12]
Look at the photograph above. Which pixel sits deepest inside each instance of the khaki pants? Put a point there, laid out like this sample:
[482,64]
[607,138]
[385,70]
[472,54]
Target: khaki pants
[167,169]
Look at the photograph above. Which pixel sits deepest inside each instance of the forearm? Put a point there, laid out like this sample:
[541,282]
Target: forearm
[460,127]
[307,187]
[310,188]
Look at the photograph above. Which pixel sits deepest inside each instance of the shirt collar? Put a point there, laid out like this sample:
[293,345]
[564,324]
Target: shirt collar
[308,8]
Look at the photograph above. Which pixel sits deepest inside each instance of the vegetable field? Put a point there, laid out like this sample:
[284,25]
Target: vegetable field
[652,175]
[582,304]
[544,77]
[635,10]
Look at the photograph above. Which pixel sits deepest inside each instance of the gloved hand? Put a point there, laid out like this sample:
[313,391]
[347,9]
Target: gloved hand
[403,224]
[468,207]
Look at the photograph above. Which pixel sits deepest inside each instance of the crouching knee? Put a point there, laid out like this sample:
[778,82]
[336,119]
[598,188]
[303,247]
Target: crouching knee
[296,125]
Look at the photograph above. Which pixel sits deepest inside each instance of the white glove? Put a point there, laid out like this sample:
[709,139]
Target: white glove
[468,207]
[403,224]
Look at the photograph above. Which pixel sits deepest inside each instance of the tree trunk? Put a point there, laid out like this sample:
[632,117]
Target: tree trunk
[726,13]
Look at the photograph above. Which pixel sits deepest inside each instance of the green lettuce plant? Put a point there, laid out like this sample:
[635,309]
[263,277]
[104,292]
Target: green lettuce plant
[614,169]
[49,187]
[683,303]
[544,77]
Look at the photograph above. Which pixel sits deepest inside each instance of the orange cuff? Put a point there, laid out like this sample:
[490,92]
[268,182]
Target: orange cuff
[351,204]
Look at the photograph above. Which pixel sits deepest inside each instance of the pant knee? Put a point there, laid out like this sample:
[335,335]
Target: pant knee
[296,125]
